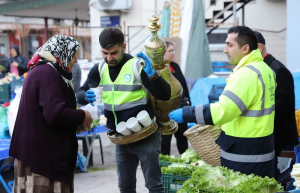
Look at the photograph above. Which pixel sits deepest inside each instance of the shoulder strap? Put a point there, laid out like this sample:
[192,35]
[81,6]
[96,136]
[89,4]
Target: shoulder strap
[101,67]
[136,68]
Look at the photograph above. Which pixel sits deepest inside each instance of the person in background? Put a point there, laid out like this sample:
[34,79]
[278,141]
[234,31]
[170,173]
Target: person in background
[30,54]
[285,128]
[120,105]
[44,142]
[245,109]
[17,63]
[76,73]
[181,140]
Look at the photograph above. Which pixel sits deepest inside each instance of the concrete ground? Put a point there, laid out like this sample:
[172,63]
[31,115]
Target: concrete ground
[100,178]
[104,182]
[107,180]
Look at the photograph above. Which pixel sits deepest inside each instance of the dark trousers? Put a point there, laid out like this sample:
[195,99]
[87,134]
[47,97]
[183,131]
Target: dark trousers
[128,157]
[285,176]
[277,172]
[181,140]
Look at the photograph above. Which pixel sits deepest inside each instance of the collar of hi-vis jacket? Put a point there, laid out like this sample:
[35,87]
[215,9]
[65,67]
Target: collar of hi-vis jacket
[254,56]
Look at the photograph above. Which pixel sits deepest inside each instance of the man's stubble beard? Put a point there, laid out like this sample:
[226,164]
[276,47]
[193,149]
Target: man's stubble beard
[115,62]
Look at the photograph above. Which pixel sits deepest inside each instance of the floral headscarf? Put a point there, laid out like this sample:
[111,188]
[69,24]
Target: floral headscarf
[58,51]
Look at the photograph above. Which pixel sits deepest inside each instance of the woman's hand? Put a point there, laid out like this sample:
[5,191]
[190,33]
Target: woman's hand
[16,64]
[88,120]
[87,123]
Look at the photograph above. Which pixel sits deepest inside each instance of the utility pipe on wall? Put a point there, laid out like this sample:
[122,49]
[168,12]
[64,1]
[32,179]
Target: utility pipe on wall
[46,29]
[234,14]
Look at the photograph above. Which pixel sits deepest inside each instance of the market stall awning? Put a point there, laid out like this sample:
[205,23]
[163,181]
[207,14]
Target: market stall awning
[56,9]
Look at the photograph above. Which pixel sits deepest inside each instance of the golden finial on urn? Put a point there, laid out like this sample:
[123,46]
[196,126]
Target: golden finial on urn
[155,48]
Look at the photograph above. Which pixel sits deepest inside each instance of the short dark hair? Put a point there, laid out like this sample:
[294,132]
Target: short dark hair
[110,37]
[169,43]
[245,36]
[260,38]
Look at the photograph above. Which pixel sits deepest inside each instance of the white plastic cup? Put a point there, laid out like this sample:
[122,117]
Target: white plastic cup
[121,128]
[133,124]
[144,118]
[98,93]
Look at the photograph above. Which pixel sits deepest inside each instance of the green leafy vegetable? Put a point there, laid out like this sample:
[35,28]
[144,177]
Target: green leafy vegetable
[178,169]
[190,156]
[3,68]
[208,179]
[96,123]
[187,157]
[168,158]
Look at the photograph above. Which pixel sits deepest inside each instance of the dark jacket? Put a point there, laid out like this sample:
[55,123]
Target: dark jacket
[285,129]
[244,146]
[44,135]
[76,74]
[159,88]
[177,73]
[20,59]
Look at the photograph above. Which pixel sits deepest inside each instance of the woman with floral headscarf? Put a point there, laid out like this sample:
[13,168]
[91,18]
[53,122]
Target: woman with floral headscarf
[44,142]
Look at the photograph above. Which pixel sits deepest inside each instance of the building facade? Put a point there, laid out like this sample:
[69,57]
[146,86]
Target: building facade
[266,16]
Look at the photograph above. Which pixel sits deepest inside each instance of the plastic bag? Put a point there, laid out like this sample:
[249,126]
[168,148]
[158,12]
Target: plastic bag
[83,160]
[4,134]
[95,111]
[13,110]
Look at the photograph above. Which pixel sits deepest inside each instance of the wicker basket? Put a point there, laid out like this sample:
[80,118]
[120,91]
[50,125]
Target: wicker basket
[122,140]
[202,138]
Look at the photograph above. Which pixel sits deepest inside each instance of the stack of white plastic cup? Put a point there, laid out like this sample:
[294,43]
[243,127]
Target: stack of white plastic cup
[121,128]
[98,93]
[144,118]
[133,124]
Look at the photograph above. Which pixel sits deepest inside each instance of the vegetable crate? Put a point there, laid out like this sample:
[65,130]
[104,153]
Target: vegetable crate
[4,93]
[164,163]
[172,183]
[17,83]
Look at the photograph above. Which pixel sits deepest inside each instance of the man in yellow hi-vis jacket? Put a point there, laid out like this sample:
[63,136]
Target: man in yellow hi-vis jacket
[245,108]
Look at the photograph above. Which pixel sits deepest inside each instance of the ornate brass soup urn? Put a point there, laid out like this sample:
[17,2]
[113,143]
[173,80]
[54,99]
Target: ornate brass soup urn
[155,49]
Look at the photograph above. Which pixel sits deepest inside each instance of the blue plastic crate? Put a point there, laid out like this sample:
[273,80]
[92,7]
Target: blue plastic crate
[215,92]
[221,67]
[17,83]
[4,93]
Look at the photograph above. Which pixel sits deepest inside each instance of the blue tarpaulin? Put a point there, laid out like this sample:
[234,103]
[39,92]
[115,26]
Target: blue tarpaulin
[165,22]
[296,77]
[199,93]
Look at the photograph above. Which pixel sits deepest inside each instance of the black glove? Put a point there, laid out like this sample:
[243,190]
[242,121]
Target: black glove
[185,102]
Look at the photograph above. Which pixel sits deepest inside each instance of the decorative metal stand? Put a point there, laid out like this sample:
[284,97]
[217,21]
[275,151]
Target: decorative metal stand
[155,49]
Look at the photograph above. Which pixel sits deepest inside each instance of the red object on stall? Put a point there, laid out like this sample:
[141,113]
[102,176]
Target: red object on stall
[6,104]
